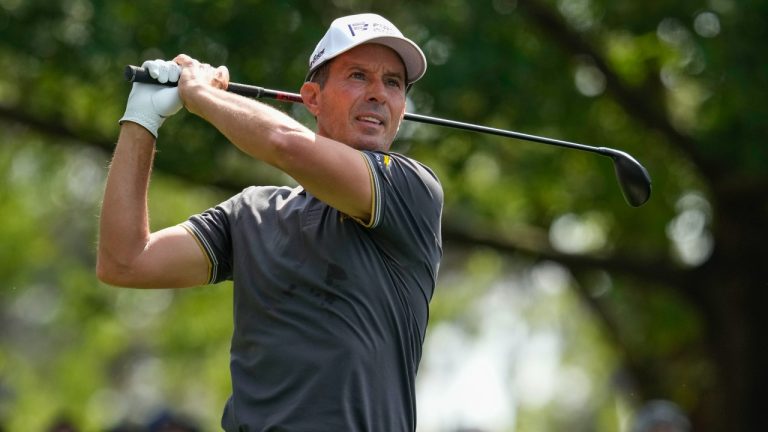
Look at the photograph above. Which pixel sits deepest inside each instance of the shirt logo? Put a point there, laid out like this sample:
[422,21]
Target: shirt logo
[383,160]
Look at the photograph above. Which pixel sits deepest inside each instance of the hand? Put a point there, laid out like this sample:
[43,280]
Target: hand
[150,104]
[198,78]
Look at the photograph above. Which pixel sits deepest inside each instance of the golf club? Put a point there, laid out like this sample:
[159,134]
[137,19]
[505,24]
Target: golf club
[633,178]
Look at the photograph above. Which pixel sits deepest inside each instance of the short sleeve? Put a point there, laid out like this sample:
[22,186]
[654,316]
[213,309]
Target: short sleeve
[407,202]
[212,231]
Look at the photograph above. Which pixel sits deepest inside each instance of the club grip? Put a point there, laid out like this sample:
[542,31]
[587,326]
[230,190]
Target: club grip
[141,75]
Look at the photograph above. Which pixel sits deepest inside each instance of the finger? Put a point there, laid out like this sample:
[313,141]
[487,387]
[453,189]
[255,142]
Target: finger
[174,71]
[221,77]
[222,73]
[152,66]
[183,60]
[162,72]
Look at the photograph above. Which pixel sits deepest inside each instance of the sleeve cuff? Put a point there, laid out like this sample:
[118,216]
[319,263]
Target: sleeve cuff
[202,242]
[375,216]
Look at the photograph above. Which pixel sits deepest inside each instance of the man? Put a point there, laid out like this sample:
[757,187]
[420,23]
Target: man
[333,278]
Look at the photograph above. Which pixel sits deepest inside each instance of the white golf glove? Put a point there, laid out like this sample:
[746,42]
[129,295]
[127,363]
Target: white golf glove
[150,104]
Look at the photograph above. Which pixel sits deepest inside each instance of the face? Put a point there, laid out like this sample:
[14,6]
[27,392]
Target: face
[363,101]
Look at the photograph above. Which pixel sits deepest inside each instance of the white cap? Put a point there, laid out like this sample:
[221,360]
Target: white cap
[350,31]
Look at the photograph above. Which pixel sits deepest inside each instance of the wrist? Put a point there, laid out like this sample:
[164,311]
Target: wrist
[149,105]
[195,96]
[136,133]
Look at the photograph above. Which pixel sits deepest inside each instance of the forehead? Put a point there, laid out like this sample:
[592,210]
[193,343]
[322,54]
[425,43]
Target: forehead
[371,56]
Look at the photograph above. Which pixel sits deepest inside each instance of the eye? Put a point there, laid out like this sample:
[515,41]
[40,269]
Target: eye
[357,75]
[394,82]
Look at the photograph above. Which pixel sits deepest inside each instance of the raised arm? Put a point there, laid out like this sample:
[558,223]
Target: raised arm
[128,254]
[333,172]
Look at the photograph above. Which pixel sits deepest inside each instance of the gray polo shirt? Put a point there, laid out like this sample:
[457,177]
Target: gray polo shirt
[329,312]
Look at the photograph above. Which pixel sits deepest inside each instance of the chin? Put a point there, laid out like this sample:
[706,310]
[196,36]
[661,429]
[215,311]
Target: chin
[378,147]
[372,145]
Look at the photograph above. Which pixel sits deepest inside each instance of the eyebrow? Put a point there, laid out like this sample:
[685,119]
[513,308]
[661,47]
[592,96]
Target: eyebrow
[362,66]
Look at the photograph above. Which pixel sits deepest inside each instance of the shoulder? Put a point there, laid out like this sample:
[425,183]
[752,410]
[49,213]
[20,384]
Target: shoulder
[420,173]
[395,164]
[403,187]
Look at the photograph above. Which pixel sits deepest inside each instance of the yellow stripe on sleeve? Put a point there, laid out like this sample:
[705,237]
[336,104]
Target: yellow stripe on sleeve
[192,232]
[373,219]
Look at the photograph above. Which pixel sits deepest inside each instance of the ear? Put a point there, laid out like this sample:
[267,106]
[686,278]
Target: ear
[310,94]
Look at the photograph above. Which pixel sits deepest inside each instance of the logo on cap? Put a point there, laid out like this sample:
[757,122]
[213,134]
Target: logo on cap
[363,26]
[316,57]
[375,27]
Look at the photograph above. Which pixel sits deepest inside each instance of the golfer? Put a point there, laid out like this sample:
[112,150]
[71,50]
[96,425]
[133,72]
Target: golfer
[332,278]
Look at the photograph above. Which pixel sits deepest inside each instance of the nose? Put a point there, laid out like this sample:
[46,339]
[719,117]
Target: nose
[377,92]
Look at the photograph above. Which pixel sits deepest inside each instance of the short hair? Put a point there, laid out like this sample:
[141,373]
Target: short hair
[320,75]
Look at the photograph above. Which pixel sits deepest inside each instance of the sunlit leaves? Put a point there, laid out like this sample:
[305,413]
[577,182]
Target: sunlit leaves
[694,65]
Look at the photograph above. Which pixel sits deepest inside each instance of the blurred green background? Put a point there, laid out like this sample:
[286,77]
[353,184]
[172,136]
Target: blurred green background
[559,307]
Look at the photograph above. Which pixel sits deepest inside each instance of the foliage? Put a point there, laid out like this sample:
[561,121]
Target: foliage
[659,301]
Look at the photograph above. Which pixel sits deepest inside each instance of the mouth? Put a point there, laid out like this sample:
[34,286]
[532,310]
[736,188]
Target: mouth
[370,119]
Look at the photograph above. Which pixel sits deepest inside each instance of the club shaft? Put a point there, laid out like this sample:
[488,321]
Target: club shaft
[137,74]
[501,132]
[633,178]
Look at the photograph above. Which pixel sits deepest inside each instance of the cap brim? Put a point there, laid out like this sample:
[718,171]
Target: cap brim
[409,52]
[413,58]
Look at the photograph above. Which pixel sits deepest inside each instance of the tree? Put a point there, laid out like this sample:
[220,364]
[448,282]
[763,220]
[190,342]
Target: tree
[676,84]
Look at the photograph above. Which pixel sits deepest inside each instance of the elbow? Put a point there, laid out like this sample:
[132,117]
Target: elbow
[117,264]
[111,273]
[105,274]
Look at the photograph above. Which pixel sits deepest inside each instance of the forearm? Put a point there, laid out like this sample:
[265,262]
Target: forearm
[124,223]
[257,129]
[334,172]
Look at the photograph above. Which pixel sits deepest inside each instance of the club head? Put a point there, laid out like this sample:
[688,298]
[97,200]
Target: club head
[633,178]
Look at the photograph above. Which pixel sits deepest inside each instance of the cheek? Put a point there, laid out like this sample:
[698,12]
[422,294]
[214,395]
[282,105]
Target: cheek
[336,111]
[334,125]
[397,108]
[397,117]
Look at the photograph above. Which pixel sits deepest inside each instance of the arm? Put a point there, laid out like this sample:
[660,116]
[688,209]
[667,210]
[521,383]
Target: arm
[331,171]
[128,254]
